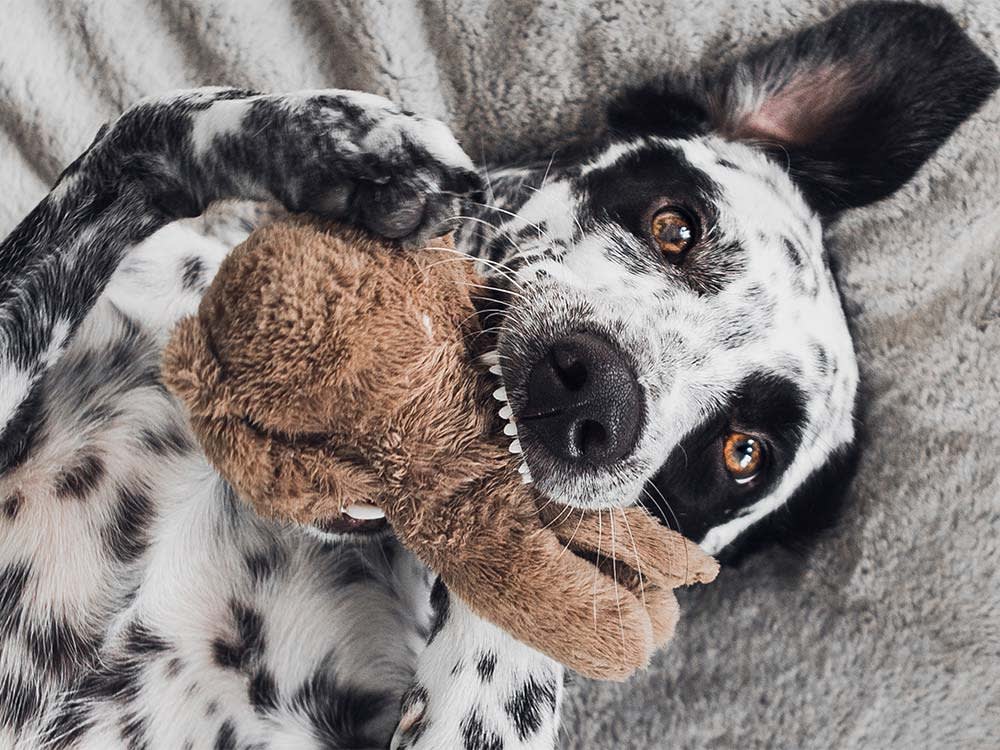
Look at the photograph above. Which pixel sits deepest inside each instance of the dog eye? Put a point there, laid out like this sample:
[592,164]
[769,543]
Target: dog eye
[673,231]
[743,455]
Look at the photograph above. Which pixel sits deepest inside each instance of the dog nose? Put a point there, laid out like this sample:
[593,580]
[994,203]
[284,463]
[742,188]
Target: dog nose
[583,403]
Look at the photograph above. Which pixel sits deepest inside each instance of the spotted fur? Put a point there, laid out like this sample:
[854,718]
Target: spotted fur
[142,605]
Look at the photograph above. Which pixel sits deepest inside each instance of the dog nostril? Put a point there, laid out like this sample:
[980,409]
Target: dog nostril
[570,370]
[591,438]
[582,401]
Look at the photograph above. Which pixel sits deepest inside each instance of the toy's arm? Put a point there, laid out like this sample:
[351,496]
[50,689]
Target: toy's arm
[338,153]
[477,686]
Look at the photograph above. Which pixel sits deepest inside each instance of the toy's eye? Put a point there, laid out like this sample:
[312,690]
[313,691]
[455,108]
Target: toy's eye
[743,455]
[673,231]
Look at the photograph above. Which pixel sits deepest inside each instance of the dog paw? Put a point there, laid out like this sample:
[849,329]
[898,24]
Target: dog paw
[396,174]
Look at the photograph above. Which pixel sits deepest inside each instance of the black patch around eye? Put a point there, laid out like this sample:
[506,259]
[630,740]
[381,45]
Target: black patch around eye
[813,508]
[656,176]
[624,191]
[692,491]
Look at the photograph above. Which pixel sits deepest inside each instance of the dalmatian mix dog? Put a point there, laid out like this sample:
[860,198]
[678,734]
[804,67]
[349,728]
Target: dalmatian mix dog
[668,333]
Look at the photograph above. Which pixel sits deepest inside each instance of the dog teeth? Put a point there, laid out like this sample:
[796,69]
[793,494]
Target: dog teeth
[495,369]
[515,446]
[506,412]
[526,478]
[363,512]
[523,468]
[510,429]
[500,394]
[490,358]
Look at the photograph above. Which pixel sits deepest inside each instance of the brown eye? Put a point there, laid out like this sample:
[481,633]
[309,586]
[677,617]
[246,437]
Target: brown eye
[743,455]
[673,231]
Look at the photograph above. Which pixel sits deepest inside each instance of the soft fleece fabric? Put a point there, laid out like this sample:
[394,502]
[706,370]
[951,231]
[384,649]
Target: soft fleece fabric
[888,634]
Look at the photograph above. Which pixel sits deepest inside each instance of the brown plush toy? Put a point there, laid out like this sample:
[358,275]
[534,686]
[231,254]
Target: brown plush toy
[326,371]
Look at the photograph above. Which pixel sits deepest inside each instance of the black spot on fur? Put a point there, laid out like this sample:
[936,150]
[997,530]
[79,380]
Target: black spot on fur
[133,730]
[22,434]
[532,703]
[793,252]
[475,736]
[118,679]
[140,640]
[352,568]
[248,646]
[78,481]
[126,535]
[13,580]
[67,726]
[263,691]
[193,274]
[174,667]
[59,648]
[211,709]
[10,507]
[20,701]
[168,441]
[486,666]
[261,564]
[440,606]
[339,714]
[226,738]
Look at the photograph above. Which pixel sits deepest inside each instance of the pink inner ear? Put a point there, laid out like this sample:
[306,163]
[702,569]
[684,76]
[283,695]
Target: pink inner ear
[803,110]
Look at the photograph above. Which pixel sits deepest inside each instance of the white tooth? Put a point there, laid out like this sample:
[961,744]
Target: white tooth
[495,369]
[526,479]
[500,394]
[506,412]
[490,358]
[515,446]
[523,468]
[510,430]
[364,512]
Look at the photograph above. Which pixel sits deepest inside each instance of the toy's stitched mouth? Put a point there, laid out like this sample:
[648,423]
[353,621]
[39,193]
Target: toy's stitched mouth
[356,518]
[348,524]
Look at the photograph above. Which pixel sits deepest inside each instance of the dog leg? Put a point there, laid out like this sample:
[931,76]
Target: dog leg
[478,687]
[347,155]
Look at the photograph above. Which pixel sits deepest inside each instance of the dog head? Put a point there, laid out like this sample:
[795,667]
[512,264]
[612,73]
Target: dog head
[669,329]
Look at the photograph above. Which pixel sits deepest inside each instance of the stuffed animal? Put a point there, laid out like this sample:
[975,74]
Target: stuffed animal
[327,373]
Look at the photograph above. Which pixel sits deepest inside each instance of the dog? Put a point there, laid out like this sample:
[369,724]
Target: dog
[668,329]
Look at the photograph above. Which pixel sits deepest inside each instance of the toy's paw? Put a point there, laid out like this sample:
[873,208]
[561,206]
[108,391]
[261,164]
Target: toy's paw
[406,175]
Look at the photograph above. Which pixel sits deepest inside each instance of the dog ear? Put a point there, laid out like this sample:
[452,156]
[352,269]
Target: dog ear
[854,105]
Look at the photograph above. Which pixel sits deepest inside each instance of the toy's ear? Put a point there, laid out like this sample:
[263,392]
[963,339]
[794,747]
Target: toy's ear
[853,106]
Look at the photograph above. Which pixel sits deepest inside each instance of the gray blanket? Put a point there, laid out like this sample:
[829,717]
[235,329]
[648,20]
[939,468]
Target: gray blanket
[888,634]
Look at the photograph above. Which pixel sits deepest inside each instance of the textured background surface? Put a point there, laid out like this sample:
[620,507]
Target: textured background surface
[888,635]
